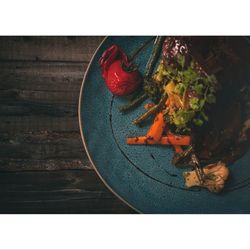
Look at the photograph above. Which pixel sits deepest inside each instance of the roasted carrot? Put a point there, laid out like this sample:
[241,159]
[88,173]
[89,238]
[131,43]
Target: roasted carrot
[154,109]
[182,140]
[178,149]
[167,102]
[147,114]
[141,140]
[165,140]
[157,127]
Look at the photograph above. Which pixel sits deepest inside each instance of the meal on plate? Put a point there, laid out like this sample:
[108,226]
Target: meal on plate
[198,101]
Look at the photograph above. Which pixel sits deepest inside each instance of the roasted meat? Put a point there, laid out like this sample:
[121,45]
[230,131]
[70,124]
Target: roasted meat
[226,135]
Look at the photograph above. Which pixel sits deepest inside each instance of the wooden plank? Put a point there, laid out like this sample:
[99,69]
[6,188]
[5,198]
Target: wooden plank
[57,192]
[34,94]
[42,145]
[29,108]
[40,79]
[40,88]
[36,76]
[80,206]
[56,48]
[17,165]
[75,181]
[39,97]
[17,124]
[44,150]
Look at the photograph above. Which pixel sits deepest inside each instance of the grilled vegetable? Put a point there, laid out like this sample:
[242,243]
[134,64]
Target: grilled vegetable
[156,130]
[154,55]
[175,140]
[137,101]
[151,111]
[190,93]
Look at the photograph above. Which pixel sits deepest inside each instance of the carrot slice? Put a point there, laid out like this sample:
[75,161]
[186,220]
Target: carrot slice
[165,140]
[182,140]
[157,127]
[178,149]
[167,103]
[141,140]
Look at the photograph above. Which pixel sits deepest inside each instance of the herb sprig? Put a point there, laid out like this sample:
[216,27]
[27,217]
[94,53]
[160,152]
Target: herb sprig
[195,89]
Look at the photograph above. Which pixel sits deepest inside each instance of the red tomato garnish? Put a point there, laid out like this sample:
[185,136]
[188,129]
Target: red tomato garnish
[120,76]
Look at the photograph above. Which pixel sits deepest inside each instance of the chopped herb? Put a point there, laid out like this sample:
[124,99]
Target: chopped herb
[192,89]
[181,117]
[198,88]
[194,103]
[198,122]
[180,88]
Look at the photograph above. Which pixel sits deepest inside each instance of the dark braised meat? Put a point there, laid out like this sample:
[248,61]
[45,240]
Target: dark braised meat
[226,136]
[172,47]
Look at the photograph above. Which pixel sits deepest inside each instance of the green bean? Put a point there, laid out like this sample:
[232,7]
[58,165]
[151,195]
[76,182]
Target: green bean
[136,98]
[178,159]
[151,111]
[143,117]
[134,103]
[149,69]
[154,55]
[140,49]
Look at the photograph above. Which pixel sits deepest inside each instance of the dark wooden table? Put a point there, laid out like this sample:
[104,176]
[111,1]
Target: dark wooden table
[43,166]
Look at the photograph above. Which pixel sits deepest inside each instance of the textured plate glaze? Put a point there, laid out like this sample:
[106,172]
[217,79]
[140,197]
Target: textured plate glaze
[143,176]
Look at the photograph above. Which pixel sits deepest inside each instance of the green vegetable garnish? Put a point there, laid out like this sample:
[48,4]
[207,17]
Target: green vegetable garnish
[181,117]
[198,122]
[194,103]
[180,88]
[195,90]
[198,88]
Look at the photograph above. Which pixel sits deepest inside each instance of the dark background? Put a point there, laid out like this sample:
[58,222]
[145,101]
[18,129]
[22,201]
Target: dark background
[43,165]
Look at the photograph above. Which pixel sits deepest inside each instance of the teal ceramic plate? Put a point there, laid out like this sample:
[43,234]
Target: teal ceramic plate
[143,176]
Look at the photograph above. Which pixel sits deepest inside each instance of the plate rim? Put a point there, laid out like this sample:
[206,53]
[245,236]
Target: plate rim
[80,118]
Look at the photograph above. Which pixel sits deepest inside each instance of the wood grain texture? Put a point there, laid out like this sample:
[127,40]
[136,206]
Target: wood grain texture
[39,96]
[14,124]
[72,49]
[43,145]
[72,191]
[40,76]
[43,165]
